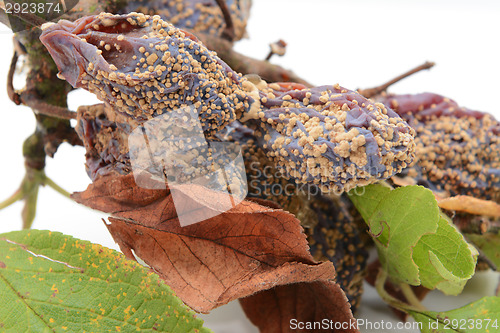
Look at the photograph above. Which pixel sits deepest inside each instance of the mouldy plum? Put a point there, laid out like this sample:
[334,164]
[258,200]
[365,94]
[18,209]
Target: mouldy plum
[105,140]
[143,66]
[458,149]
[199,16]
[267,182]
[329,221]
[331,136]
[338,238]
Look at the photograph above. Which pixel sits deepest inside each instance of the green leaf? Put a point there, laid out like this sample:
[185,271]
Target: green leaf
[445,260]
[416,243]
[368,198]
[489,244]
[480,316]
[50,282]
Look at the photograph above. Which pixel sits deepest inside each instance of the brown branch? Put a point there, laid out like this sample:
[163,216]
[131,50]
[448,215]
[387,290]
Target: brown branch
[469,224]
[228,32]
[482,257]
[30,99]
[246,65]
[371,92]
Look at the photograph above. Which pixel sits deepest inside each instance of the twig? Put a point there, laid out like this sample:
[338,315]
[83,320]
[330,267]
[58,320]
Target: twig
[228,32]
[28,192]
[486,260]
[29,210]
[29,98]
[56,187]
[482,256]
[246,65]
[476,225]
[371,92]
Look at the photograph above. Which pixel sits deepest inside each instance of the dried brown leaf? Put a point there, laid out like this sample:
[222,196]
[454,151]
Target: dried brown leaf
[247,249]
[281,309]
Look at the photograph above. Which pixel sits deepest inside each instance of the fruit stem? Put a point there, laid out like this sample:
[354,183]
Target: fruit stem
[411,297]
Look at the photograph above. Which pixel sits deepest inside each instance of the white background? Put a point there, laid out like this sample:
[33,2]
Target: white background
[358,44]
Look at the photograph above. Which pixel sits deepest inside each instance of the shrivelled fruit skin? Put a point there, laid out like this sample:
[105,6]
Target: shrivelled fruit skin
[331,136]
[458,149]
[143,67]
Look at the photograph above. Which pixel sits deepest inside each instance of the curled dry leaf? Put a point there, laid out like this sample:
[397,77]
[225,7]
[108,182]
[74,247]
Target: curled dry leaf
[471,205]
[248,249]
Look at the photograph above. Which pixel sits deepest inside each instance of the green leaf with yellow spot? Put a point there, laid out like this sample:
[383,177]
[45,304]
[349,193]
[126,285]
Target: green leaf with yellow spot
[417,244]
[50,282]
[480,316]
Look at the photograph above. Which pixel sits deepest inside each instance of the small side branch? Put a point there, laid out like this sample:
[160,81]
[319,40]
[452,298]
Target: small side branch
[371,92]
[247,65]
[18,195]
[29,98]
[228,33]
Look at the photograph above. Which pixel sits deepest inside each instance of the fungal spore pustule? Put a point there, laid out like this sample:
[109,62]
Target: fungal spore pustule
[143,66]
